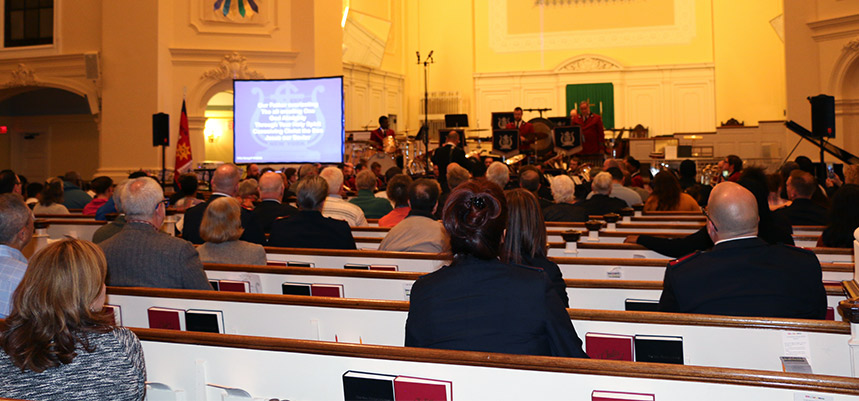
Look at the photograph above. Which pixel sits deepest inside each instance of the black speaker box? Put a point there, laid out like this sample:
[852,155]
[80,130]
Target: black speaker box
[823,116]
[160,129]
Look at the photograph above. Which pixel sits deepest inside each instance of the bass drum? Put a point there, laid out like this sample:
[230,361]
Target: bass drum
[544,130]
[385,160]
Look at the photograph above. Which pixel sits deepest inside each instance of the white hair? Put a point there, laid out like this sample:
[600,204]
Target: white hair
[563,189]
[141,197]
[14,215]
[602,183]
[498,173]
[334,177]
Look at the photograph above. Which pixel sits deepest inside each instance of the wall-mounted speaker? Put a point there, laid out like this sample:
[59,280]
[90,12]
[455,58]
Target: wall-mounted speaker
[160,129]
[822,116]
[92,69]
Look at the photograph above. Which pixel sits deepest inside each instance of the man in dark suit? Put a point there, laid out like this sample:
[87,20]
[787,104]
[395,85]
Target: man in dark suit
[308,228]
[450,152]
[225,182]
[742,275]
[530,180]
[271,205]
[802,211]
[601,202]
[140,255]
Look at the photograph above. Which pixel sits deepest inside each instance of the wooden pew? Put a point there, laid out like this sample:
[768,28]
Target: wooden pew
[312,370]
[718,341]
[78,228]
[395,286]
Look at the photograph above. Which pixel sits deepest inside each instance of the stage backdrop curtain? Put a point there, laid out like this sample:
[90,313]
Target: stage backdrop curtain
[601,98]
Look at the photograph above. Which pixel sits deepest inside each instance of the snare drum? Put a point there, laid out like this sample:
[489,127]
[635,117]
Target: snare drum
[389,145]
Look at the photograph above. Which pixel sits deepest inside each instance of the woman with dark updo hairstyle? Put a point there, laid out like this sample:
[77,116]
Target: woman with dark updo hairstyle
[478,303]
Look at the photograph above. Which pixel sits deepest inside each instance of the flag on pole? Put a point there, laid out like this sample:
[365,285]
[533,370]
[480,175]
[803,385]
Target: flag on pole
[183,146]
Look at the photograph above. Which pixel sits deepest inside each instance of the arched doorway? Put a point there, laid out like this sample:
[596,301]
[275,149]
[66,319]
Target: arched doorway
[848,107]
[218,128]
[49,132]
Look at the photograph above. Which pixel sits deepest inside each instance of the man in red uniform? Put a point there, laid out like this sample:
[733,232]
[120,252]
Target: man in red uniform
[593,134]
[526,130]
[377,137]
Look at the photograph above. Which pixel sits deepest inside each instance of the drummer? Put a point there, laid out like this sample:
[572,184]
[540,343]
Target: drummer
[377,137]
[526,130]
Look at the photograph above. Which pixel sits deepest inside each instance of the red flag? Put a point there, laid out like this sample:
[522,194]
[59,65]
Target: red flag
[183,146]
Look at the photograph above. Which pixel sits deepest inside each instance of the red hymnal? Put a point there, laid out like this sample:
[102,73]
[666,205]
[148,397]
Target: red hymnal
[389,268]
[598,395]
[234,286]
[166,318]
[415,388]
[327,290]
[609,346]
[117,313]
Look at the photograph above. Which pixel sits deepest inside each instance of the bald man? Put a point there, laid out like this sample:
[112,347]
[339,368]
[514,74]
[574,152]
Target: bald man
[271,204]
[743,275]
[225,182]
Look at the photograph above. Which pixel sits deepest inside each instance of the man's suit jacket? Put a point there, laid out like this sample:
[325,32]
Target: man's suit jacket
[309,229]
[746,277]
[269,210]
[194,216]
[804,212]
[599,204]
[141,256]
[593,134]
[489,306]
[445,155]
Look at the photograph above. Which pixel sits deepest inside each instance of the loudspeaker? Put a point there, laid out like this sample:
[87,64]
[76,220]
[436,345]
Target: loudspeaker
[822,116]
[91,62]
[160,129]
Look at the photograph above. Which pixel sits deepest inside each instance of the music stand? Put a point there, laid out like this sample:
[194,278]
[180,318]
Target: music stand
[456,120]
[501,119]
[568,140]
[505,142]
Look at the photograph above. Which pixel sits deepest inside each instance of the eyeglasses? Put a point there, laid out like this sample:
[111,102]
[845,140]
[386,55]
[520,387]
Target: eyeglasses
[707,215]
[165,202]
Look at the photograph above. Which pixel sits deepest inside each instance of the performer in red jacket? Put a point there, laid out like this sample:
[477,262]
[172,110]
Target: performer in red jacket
[593,133]
[526,130]
[377,137]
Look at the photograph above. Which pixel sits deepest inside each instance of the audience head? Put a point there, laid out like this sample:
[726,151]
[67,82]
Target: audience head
[755,180]
[34,189]
[666,189]
[334,177]
[73,177]
[348,169]
[291,175]
[563,189]
[222,221]
[366,180]
[456,175]
[16,221]
[58,301]
[226,179]
[800,185]
[609,163]
[141,200]
[423,195]
[601,184]
[688,169]
[117,195]
[102,186]
[391,172]
[253,171]
[616,174]
[634,165]
[188,184]
[526,229]
[475,216]
[53,192]
[249,189]
[530,180]
[376,168]
[311,193]
[398,190]
[732,211]
[271,186]
[498,173]
[734,163]
[805,164]
[307,170]
[843,215]
[9,182]
[138,174]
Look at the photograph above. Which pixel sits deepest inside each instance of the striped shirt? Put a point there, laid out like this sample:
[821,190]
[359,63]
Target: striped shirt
[337,208]
[13,264]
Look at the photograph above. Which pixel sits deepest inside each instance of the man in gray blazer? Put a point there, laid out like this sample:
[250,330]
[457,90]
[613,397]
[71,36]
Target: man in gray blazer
[141,255]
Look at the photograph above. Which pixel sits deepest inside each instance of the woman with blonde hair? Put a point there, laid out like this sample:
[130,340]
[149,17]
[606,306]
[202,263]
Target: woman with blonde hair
[58,342]
[221,228]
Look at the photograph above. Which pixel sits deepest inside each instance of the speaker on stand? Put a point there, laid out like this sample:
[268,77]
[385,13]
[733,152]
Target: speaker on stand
[161,137]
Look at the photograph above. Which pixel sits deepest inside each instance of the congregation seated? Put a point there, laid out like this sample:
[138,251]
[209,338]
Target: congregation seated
[140,255]
[186,196]
[59,343]
[271,206]
[525,238]
[112,228]
[372,206]
[225,182]
[221,229]
[843,218]
[668,196]
[103,187]
[335,206]
[564,209]
[529,179]
[110,207]
[618,190]
[309,228]
[52,196]
[743,275]
[73,196]
[600,201]
[10,182]
[16,231]
[248,193]
[398,193]
[290,178]
[419,231]
[479,303]
[802,211]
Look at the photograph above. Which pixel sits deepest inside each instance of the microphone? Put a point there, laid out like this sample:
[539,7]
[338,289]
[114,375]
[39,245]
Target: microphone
[418,53]
[430,55]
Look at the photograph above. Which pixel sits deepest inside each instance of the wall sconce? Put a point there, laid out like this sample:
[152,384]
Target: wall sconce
[213,130]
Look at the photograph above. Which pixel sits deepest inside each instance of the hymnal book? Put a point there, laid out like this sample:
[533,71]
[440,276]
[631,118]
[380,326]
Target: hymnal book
[327,290]
[616,347]
[295,288]
[234,286]
[662,349]
[795,364]
[275,263]
[166,318]
[209,321]
[598,395]
[415,388]
[368,386]
[830,313]
[641,305]
[355,266]
[299,264]
[215,285]
[388,268]
[117,313]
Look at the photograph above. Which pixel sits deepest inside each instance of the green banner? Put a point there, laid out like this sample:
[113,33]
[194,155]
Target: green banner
[600,96]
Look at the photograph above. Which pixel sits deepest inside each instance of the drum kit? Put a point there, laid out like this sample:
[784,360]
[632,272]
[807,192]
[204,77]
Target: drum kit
[411,151]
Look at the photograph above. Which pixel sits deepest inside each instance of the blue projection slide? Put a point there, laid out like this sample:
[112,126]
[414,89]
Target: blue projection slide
[288,121]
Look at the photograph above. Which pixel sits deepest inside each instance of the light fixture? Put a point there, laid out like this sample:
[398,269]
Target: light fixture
[213,129]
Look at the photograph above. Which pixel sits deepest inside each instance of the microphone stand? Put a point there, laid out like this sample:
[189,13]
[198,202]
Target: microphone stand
[427,61]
